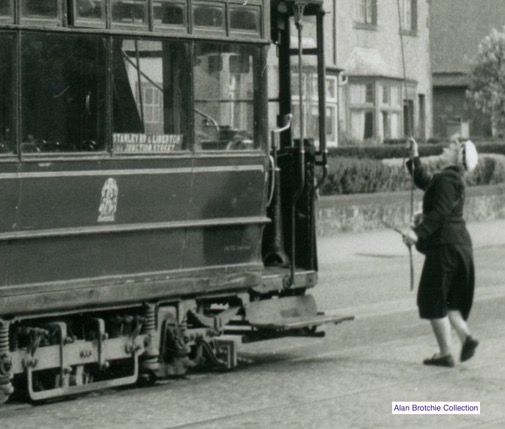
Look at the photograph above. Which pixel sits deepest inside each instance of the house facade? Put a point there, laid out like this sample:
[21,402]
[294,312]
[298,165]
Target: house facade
[457,28]
[380,62]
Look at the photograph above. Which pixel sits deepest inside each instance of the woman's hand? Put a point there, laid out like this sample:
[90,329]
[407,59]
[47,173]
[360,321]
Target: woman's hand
[412,147]
[409,237]
[416,219]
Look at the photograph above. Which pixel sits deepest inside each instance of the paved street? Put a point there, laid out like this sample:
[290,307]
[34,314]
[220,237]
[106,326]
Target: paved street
[348,379]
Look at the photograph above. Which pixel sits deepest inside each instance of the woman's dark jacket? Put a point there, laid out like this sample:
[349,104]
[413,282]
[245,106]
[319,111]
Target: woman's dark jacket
[443,202]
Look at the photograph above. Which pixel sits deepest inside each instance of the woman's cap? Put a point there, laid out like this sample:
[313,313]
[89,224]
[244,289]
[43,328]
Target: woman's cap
[470,155]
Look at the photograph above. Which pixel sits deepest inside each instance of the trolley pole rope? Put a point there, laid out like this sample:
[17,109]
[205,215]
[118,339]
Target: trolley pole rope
[408,132]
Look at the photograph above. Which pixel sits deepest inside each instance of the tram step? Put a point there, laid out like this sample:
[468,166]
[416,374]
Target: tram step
[289,313]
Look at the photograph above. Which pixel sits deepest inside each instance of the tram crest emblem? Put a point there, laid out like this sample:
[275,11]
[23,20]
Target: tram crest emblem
[108,202]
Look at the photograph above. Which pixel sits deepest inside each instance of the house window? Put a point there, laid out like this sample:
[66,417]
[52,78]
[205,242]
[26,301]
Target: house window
[386,94]
[409,15]
[390,124]
[362,94]
[362,125]
[152,99]
[331,110]
[390,110]
[391,95]
[362,101]
[375,110]
[366,12]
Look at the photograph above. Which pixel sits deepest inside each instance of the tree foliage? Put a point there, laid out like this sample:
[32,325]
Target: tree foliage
[487,79]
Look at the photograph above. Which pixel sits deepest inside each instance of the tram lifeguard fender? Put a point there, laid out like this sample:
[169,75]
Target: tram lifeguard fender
[276,312]
[294,312]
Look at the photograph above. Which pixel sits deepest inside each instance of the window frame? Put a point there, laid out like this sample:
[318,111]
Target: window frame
[76,21]
[183,28]
[21,93]
[204,29]
[409,16]
[388,101]
[67,17]
[366,15]
[64,24]
[13,101]
[258,124]
[256,10]
[142,26]
[58,21]
[9,18]
[190,146]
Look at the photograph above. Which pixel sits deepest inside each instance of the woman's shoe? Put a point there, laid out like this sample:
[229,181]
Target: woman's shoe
[468,349]
[436,360]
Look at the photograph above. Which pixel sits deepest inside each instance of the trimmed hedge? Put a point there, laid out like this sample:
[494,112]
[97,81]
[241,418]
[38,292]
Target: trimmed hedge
[356,176]
[399,150]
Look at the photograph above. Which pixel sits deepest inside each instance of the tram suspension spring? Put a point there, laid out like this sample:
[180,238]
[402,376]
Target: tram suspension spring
[150,319]
[4,337]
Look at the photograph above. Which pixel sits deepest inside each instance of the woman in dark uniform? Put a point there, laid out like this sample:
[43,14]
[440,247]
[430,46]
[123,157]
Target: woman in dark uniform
[446,288]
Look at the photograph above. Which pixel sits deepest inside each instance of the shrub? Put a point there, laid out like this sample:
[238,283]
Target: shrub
[399,150]
[355,175]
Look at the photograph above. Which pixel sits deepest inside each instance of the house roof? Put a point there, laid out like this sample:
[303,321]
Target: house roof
[452,79]
[369,62]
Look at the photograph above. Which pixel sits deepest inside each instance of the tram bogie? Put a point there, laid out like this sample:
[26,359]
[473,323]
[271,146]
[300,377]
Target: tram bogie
[148,225]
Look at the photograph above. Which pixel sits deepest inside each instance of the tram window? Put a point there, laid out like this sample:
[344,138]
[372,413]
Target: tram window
[242,19]
[5,8]
[150,96]
[210,16]
[40,8]
[169,13]
[129,11]
[6,95]
[63,92]
[225,85]
[89,10]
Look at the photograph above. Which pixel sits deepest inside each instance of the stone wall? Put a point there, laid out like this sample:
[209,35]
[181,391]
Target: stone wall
[364,212]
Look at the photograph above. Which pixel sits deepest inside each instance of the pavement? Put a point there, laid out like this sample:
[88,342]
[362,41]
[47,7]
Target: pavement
[387,242]
[351,262]
[368,275]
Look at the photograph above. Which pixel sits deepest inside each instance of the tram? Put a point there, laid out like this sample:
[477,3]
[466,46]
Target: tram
[152,214]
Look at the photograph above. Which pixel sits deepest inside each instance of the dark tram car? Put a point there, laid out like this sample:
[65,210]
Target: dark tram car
[150,214]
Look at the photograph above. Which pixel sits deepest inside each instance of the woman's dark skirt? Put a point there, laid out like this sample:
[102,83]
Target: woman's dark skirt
[447,281]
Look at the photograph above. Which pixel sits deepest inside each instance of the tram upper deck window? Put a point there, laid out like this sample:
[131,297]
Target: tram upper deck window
[169,13]
[226,79]
[245,20]
[6,95]
[40,9]
[128,12]
[209,16]
[150,96]
[6,10]
[89,12]
[63,92]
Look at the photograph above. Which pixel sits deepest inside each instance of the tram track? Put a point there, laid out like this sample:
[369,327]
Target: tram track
[356,369]
[218,422]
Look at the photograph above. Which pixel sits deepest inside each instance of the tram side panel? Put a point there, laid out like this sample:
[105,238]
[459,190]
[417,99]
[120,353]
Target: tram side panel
[86,228]
[230,194]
